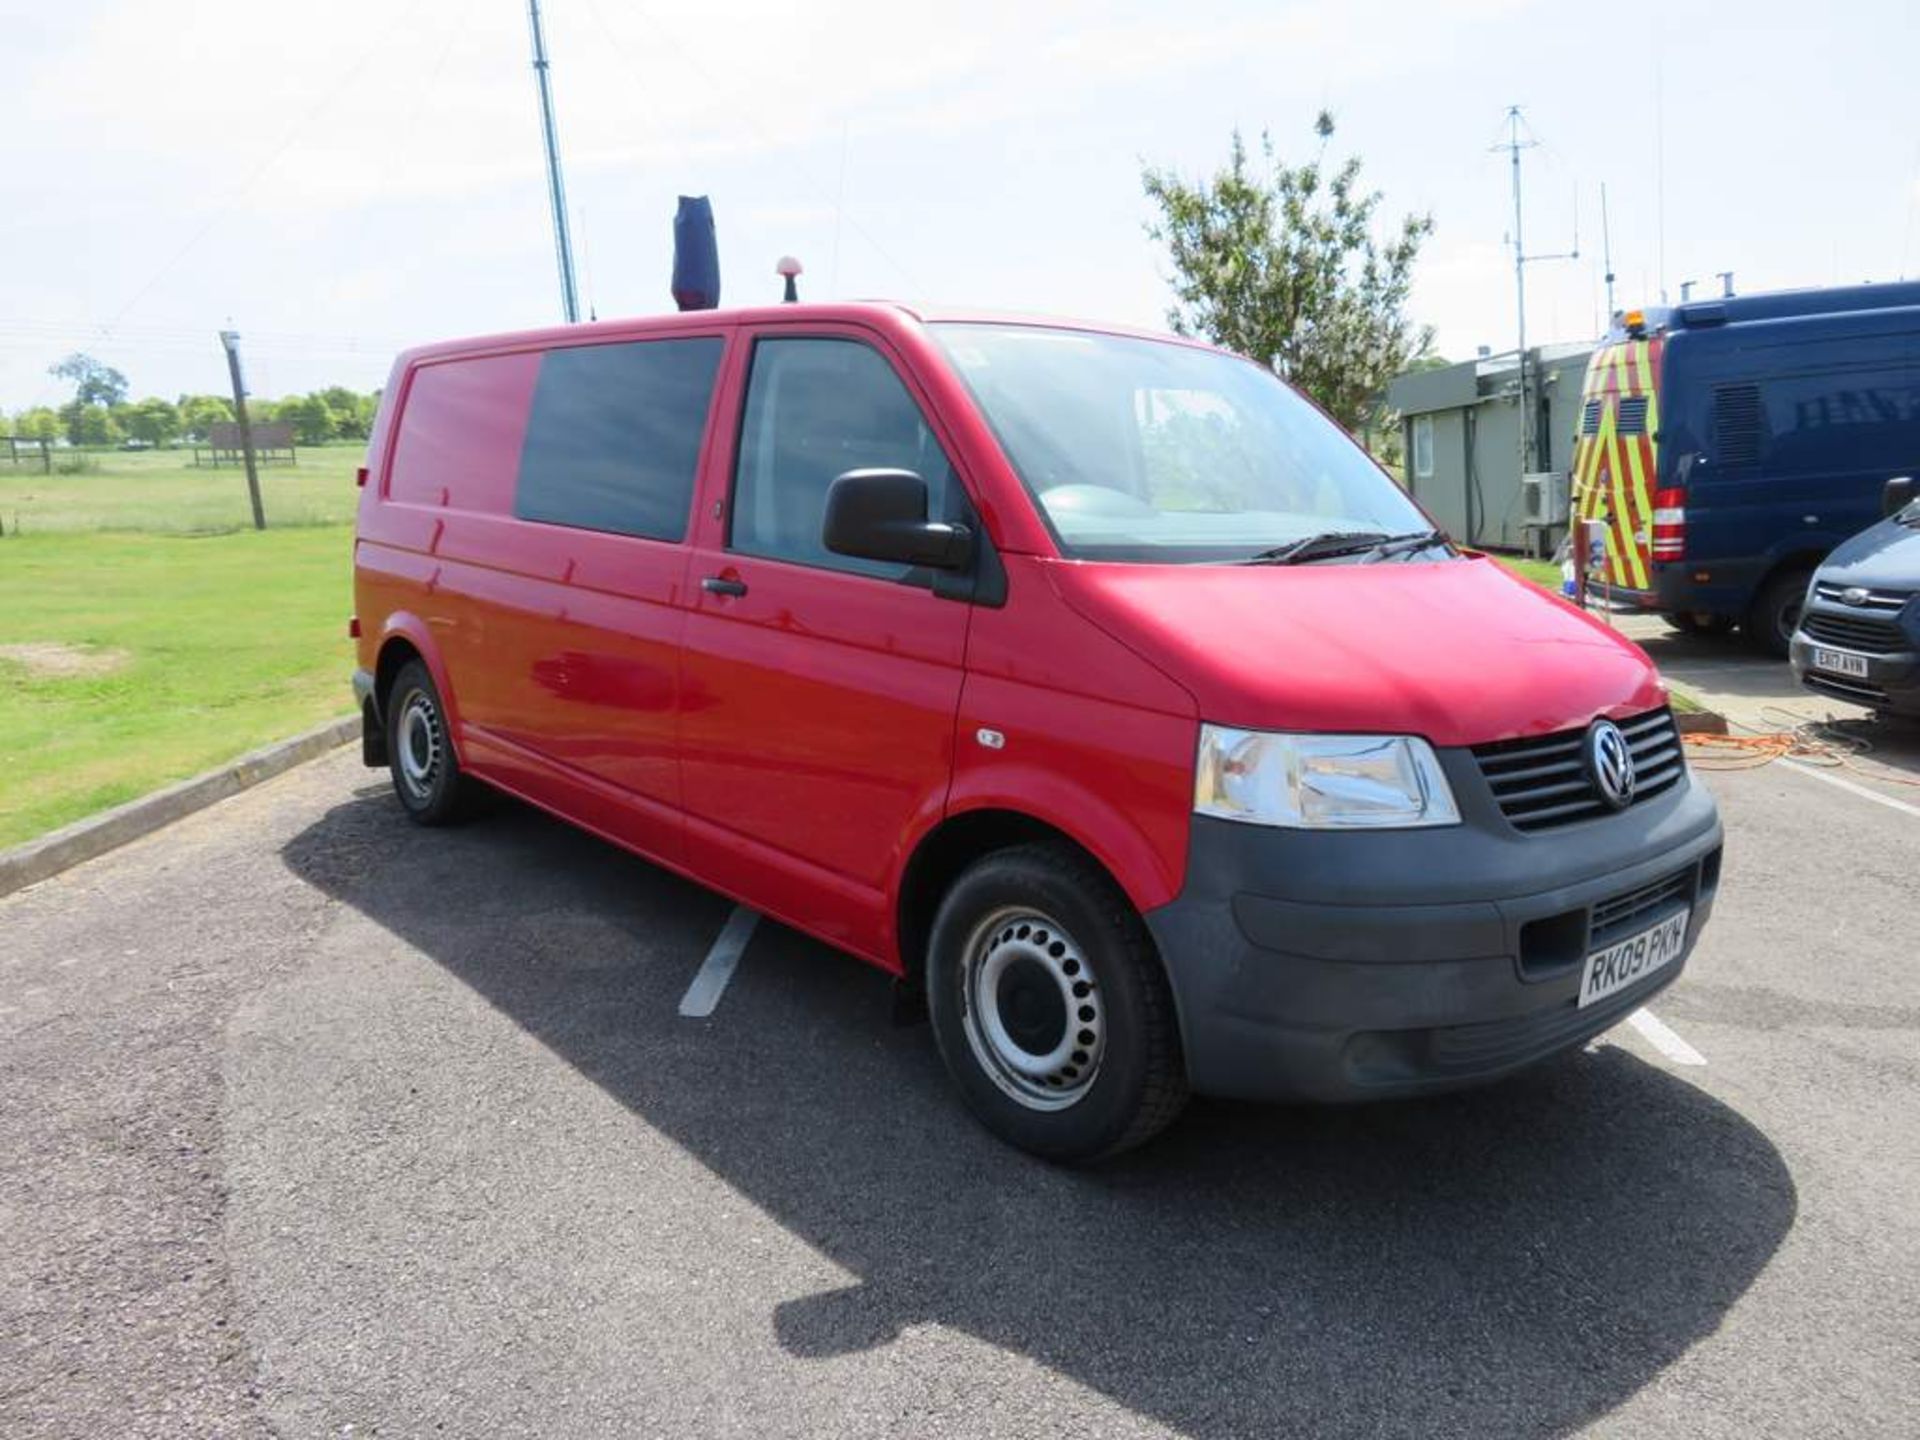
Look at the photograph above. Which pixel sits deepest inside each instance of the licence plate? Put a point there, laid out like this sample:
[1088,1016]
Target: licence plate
[1632,959]
[1840,662]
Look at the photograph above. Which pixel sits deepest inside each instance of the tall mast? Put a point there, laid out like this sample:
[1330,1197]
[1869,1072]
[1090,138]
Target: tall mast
[556,191]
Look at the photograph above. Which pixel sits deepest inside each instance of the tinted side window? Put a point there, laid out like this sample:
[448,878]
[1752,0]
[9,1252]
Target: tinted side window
[1841,420]
[613,439]
[816,409]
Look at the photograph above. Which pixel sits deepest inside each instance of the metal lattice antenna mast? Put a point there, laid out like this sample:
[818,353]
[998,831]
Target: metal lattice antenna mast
[1606,251]
[1513,145]
[556,191]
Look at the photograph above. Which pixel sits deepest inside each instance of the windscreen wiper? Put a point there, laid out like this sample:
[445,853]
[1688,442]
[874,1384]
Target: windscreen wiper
[1407,544]
[1323,546]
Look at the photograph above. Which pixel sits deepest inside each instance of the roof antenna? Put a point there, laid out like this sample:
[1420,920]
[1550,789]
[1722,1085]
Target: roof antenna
[790,269]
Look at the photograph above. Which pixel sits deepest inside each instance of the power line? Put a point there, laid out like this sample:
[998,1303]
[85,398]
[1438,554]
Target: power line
[335,92]
[693,62]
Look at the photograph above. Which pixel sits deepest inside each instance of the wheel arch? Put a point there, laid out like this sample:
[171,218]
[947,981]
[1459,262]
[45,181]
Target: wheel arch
[407,638]
[956,842]
[1802,556]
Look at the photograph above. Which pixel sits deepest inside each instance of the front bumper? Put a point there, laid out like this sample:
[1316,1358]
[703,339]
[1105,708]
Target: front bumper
[1892,681]
[1344,966]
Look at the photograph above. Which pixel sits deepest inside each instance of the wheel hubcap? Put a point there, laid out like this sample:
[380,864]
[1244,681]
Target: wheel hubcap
[1033,1012]
[420,744]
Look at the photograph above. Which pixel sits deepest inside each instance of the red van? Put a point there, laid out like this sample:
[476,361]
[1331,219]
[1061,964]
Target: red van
[1094,684]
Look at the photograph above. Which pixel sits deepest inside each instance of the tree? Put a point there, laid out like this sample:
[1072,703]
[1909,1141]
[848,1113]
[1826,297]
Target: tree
[312,421]
[91,424]
[155,421]
[1284,267]
[93,383]
[352,412]
[200,413]
[39,423]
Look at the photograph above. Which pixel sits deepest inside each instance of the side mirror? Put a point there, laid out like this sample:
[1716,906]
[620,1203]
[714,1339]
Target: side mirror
[882,515]
[1898,495]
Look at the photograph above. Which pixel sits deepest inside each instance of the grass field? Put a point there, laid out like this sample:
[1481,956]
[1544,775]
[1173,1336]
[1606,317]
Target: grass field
[1541,572]
[128,661]
[161,491]
[148,633]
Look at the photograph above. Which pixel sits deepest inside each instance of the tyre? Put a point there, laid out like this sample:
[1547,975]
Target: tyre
[426,773]
[1698,622]
[1050,1007]
[1776,611]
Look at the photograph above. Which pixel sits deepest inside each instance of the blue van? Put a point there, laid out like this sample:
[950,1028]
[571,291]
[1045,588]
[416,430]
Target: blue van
[1726,446]
[1859,636]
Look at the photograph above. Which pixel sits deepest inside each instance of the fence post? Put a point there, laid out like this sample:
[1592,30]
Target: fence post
[231,340]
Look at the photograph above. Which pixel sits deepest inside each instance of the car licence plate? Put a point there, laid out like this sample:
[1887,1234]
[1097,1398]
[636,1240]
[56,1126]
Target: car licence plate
[1632,959]
[1840,662]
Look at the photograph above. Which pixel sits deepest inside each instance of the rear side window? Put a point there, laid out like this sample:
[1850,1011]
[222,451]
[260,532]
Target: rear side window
[817,408]
[457,444]
[613,440]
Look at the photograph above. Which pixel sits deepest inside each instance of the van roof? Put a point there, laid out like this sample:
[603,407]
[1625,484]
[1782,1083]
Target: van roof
[889,312]
[1778,305]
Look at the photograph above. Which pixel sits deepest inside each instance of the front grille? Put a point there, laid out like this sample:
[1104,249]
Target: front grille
[1637,909]
[1542,782]
[1885,602]
[1869,636]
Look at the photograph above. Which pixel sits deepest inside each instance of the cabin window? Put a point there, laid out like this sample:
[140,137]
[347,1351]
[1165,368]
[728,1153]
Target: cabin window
[1423,447]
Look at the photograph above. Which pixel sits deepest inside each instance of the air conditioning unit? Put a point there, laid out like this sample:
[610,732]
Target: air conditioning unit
[1544,497]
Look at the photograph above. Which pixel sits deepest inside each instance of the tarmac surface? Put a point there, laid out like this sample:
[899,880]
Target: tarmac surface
[319,1124]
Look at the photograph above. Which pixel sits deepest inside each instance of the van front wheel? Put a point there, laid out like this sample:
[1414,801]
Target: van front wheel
[1050,1007]
[426,773]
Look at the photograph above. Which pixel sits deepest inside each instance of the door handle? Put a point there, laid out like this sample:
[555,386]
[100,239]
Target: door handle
[723,585]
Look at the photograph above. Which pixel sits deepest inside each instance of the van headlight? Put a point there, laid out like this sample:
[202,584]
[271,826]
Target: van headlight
[1314,782]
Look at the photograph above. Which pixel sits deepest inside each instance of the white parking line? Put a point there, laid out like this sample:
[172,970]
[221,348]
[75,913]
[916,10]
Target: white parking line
[710,981]
[1859,790]
[1662,1037]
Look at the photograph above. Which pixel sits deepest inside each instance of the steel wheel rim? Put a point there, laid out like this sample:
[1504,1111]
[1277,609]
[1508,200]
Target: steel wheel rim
[1019,966]
[420,744]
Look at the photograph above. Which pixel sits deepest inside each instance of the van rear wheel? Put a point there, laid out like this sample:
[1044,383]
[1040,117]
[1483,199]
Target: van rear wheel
[426,773]
[1050,1007]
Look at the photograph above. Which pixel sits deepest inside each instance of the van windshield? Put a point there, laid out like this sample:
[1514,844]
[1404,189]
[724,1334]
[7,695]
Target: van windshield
[1149,451]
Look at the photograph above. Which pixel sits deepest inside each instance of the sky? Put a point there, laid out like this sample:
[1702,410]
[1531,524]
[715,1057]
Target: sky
[337,182]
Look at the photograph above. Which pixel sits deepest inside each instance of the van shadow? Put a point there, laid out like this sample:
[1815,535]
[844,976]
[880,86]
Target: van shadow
[1517,1260]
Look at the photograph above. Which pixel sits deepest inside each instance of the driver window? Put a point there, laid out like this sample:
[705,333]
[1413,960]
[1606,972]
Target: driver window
[815,409]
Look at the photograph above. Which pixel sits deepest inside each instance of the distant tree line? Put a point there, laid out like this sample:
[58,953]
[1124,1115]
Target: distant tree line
[101,412]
